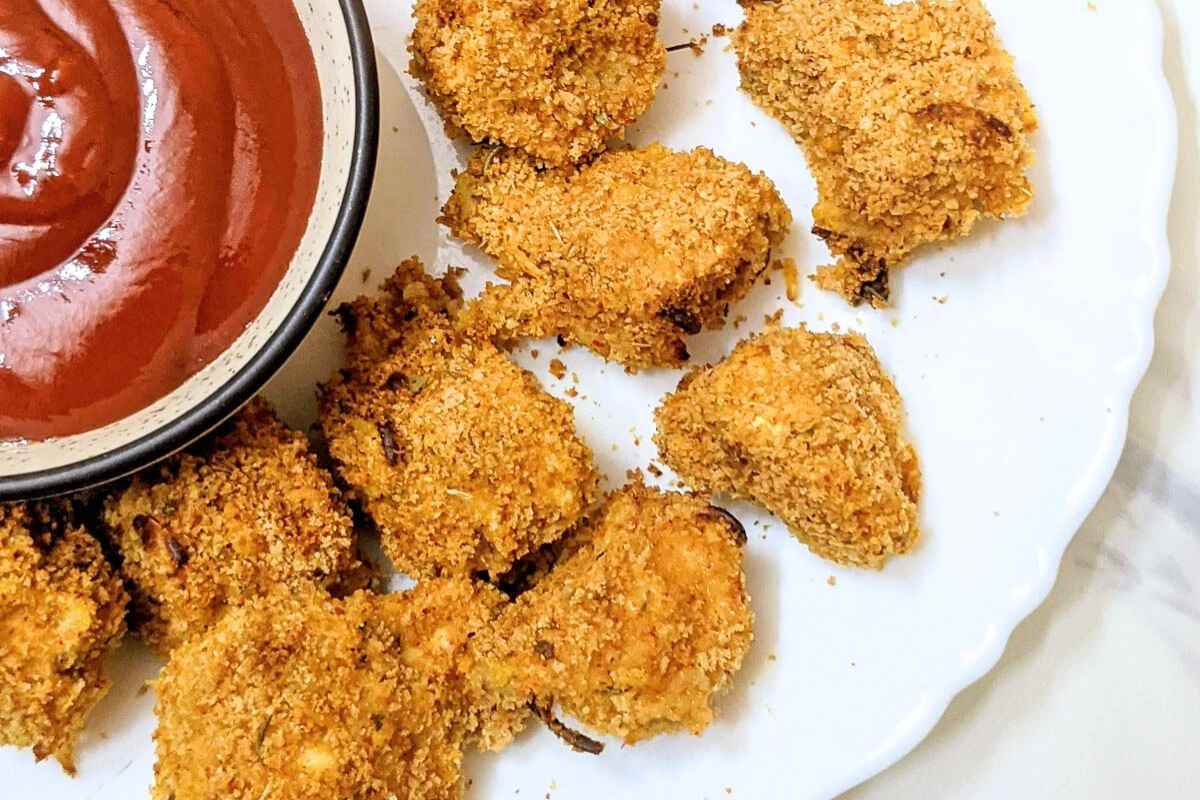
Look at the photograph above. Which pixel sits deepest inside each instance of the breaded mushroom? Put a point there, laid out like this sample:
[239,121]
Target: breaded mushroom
[910,114]
[245,511]
[555,78]
[441,623]
[300,696]
[640,627]
[62,610]
[464,463]
[627,256]
[809,426]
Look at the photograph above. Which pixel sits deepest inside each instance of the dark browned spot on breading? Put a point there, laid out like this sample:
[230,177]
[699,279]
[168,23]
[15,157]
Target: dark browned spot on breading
[734,524]
[573,739]
[387,437]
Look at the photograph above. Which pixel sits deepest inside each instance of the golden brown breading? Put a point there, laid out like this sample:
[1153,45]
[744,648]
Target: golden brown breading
[458,455]
[810,426]
[247,510]
[62,609]
[639,627]
[911,116]
[626,256]
[556,78]
[439,622]
[299,696]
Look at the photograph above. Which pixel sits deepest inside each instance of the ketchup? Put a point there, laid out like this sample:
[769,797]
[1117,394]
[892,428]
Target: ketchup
[158,163]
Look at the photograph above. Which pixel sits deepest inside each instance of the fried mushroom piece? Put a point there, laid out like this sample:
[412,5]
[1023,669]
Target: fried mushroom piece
[627,256]
[62,610]
[442,622]
[246,510]
[911,116]
[461,459]
[299,696]
[640,627]
[556,79]
[809,426]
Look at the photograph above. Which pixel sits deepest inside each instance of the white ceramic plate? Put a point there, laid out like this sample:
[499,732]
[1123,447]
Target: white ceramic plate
[1017,387]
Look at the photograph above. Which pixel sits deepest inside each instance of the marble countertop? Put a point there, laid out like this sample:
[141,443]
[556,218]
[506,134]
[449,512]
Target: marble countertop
[1098,693]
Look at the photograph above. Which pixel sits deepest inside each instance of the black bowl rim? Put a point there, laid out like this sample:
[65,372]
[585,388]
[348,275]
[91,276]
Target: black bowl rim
[237,391]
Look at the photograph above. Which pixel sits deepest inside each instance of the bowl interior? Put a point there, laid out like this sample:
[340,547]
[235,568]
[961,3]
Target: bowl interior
[38,468]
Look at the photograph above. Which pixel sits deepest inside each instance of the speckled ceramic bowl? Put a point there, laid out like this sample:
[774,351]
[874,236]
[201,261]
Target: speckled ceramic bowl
[341,44]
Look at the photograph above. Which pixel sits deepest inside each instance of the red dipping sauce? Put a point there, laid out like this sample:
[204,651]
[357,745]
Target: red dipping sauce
[158,163]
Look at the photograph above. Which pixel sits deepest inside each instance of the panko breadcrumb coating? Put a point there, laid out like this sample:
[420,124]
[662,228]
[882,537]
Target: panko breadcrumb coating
[637,630]
[626,256]
[245,511]
[461,459]
[62,609]
[439,622]
[556,78]
[910,114]
[300,696]
[809,426]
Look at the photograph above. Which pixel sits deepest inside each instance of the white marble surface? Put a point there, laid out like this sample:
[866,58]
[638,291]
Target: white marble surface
[1098,693]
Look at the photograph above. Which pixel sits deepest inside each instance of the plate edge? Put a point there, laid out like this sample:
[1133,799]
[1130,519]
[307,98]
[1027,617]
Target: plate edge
[938,701]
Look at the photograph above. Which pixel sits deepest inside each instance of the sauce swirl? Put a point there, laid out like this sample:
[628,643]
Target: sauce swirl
[158,163]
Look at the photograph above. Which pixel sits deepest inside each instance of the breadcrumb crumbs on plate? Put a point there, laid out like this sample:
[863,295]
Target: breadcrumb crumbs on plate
[555,78]
[460,458]
[558,369]
[62,611]
[243,511]
[911,116]
[831,580]
[791,277]
[696,45]
[627,256]
[809,426]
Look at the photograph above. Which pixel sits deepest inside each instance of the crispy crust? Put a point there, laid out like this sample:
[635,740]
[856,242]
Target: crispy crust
[461,459]
[810,426]
[245,511]
[298,696]
[627,255]
[911,116]
[639,627]
[62,610]
[556,78]
[441,622]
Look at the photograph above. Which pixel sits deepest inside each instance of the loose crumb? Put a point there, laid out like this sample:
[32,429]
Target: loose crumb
[791,277]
